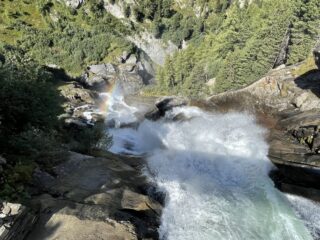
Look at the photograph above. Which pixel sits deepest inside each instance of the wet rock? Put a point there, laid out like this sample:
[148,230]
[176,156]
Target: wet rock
[165,104]
[138,202]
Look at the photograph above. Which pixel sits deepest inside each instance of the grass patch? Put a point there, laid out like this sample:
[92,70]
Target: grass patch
[305,67]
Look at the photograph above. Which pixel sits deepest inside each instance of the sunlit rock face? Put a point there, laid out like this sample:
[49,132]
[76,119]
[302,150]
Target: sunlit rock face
[74,3]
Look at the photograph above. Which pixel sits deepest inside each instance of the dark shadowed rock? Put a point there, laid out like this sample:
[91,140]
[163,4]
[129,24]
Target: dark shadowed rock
[165,104]
[316,54]
[2,59]
[77,95]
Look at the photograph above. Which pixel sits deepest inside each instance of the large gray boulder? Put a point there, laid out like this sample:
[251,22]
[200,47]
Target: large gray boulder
[132,73]
[98,76]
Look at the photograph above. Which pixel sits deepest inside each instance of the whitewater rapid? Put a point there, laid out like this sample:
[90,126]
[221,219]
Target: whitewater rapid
[214,170]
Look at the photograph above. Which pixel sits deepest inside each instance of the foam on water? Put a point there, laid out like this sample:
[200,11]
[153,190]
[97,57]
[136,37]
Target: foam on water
[309,211]
[214,169]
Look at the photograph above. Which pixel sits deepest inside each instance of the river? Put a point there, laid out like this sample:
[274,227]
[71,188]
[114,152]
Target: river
[214,169]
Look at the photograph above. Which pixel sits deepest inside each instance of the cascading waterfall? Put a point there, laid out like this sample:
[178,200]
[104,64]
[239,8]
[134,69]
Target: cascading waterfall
[214,169]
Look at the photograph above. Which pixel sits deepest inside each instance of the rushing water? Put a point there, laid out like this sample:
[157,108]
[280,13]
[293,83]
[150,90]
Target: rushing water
[214,169]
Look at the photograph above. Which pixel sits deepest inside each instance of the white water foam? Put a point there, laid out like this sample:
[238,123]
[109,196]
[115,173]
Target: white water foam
[309,211]
[214,170]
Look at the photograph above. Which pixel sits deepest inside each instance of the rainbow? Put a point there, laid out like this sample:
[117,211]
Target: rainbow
[110,92]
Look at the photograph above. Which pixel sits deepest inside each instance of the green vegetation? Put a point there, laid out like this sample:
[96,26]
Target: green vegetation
[29,105]
[305,67]
[304,29]
[235,45]
[31,136]
[51,33]
[230,45]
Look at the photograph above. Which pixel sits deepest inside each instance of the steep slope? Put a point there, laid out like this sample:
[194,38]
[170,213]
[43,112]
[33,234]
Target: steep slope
[241,43]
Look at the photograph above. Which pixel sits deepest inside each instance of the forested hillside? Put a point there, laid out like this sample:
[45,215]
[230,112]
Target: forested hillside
[52,33]
[223,44]
[230,45]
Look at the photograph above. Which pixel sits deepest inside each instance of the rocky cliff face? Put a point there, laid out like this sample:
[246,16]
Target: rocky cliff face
[289,106]
[73,3]
[101,197]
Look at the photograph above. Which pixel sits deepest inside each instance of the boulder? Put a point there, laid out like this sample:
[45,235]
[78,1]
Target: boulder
[131,83]
[306,101]
[98,76]
[76,94]
[138,202]
[102,69]
[165,104]
[16,221]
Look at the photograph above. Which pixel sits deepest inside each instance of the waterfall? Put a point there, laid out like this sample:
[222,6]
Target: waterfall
[214,169]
